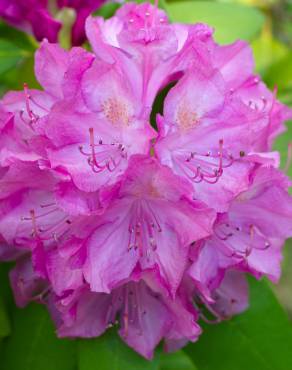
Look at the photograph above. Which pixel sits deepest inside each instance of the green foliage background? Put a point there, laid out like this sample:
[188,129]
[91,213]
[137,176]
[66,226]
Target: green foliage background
[261,338]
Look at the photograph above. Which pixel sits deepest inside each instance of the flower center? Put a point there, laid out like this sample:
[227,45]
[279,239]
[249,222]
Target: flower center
[143,229]
[116,111]
[186,119]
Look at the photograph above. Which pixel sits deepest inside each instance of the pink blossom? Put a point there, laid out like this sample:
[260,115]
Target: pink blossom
[111,222]
[144,314]
[115,127]
[142,41]
[247,237]
[150,223]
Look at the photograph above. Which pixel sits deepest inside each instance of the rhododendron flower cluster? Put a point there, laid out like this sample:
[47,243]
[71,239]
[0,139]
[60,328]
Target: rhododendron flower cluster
[41,17]
[114,223]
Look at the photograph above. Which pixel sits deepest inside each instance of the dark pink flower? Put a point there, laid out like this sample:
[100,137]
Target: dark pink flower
[31,16]
[83,8]
[41,18]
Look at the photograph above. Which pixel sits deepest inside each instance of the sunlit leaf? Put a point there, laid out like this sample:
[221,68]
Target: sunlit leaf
[10,55]
[267,50]
[231,21]
[107,10]
[280,73]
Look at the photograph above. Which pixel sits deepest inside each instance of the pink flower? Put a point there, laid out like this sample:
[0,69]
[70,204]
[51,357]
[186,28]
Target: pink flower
[115,127]
[140,306]
[208,134]
[141,40]
[31,16]
[109,220]
[39,18]
[150,208]
[247,237]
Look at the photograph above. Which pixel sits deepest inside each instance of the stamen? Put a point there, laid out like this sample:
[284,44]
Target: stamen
[200,167]
[248,233]
[217,318]
[111,154]
[34,225]
[47,205]
[38,104]
[55,229]
[142,229]
[32,117]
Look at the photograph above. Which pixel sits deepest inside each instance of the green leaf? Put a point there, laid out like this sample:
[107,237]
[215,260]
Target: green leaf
[176,361]
[259,339]
[109,352]
[280,73]
[231,21]
[5,301]
[267,51]
[107,10]
[4,321]
[10,55]
[16,58]
[21,39]
[33,344]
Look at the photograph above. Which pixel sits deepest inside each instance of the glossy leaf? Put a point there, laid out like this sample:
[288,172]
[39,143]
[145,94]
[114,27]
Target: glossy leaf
[16,58]
[10,55]
[109,352]
[21,39]
[33,344]
[231,21]
[259,339]
[176,361]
